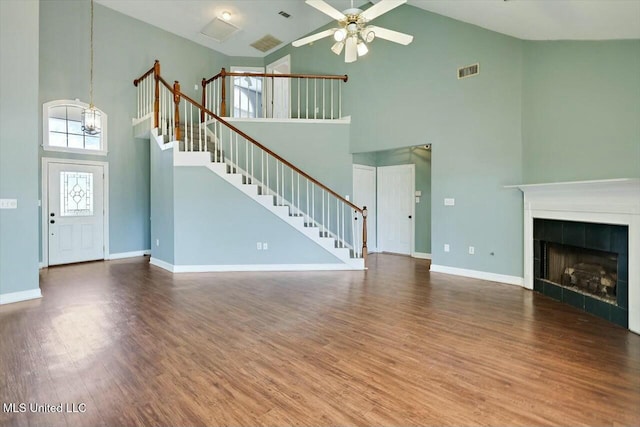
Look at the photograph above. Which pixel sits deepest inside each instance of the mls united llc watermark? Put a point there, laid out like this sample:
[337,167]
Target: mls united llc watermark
[32,407]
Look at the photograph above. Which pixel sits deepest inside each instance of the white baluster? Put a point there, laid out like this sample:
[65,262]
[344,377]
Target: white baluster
[315,99]
[307,197]
[298,179]
[186,148]
[340,99]
[298,96]
[246,158]
[324,114]
[262,169]
[277,181]
[306,99]
[323,223]
[331,81]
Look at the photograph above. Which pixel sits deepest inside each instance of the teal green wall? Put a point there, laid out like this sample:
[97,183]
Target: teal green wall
[19,144]
[319,149]
[400,96]
[162,203]
[581,110]
[124,49]
[208,232]
[367,159]
[421,158]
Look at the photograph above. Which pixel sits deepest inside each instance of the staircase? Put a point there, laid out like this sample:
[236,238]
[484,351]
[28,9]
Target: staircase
[205,150]
[198,137]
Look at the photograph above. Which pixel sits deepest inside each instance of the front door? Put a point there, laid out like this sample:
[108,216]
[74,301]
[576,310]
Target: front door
[75,213]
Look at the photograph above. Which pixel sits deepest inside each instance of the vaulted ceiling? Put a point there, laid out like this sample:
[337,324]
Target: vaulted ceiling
[525,19]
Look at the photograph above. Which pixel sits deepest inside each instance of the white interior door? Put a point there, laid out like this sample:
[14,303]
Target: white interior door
[396,208]
[279,88]
[75,213]
[364,194]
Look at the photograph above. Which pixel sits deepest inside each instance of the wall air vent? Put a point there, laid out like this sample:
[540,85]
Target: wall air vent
[266,43]
[468,71]
[284,14]
[219,30]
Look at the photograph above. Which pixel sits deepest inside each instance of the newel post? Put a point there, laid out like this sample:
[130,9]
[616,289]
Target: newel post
[223,93]
[176,100]
[204,99]
[156,100]
[364,234]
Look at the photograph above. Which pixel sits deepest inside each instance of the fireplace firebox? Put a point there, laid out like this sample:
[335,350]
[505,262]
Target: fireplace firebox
[584,265]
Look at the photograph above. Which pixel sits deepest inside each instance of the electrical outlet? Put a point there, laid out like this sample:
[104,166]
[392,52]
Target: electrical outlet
[259,246]
[157,242]
[472,250]
[446,247]
[265,246]
[8,203]
[449,202]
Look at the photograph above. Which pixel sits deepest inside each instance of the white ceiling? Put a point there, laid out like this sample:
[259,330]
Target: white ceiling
[525,19]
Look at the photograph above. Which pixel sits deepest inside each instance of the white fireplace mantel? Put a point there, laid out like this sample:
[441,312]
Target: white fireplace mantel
[612,201]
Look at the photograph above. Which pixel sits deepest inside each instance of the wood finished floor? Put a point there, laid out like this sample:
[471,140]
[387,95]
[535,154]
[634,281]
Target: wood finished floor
[395,345]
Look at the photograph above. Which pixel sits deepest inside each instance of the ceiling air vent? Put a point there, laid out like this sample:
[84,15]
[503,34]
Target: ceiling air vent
[468,71]
[284,14]
[219,30]
[266,43]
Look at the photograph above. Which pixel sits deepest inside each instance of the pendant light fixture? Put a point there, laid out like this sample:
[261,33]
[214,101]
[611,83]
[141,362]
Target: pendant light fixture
[91,117]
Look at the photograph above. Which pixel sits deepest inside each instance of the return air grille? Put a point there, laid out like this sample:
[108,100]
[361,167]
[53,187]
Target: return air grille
[468,71]
[266,43]
[219,30]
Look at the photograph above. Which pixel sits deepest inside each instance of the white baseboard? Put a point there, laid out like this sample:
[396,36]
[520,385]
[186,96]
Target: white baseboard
[20,296]
[249,267]
[41,265]
[122,255]
[475,274]
[421,255]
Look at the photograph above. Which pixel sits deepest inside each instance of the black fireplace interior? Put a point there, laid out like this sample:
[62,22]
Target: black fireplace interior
[584,265]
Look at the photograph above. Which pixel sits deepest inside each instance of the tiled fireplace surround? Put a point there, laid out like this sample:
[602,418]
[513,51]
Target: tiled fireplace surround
[615,201]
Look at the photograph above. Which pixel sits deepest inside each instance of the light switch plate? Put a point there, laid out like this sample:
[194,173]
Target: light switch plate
[418,193]
[449,202]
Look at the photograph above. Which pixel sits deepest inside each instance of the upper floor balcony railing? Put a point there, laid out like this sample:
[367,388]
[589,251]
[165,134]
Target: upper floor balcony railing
[278,96]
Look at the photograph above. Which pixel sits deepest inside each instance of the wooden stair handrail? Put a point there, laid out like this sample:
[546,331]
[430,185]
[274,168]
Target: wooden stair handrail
[259,145]
[142,77]
[224,73]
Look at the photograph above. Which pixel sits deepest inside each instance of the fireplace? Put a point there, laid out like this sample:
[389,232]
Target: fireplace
[584,265]
[596,218]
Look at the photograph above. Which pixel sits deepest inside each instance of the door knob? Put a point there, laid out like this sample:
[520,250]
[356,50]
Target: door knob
[409,216]
[52,222]
[52,214]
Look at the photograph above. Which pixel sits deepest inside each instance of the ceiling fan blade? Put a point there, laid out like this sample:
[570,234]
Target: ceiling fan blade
[351,50]
[392,36]
[314,37]
[380,8]
[327,9]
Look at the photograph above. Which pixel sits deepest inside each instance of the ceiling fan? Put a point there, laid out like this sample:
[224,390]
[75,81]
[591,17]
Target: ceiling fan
[354,32]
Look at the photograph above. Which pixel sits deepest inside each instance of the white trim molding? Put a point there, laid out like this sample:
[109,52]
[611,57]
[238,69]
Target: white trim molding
[421,255]
[133,254]
[611,201]
[249,267]
[12,297]
[476,274]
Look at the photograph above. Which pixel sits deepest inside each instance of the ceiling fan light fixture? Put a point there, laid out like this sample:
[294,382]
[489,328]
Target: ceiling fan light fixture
[226,15]
[337,47]
[362,48]
[368,35]
[340,35]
